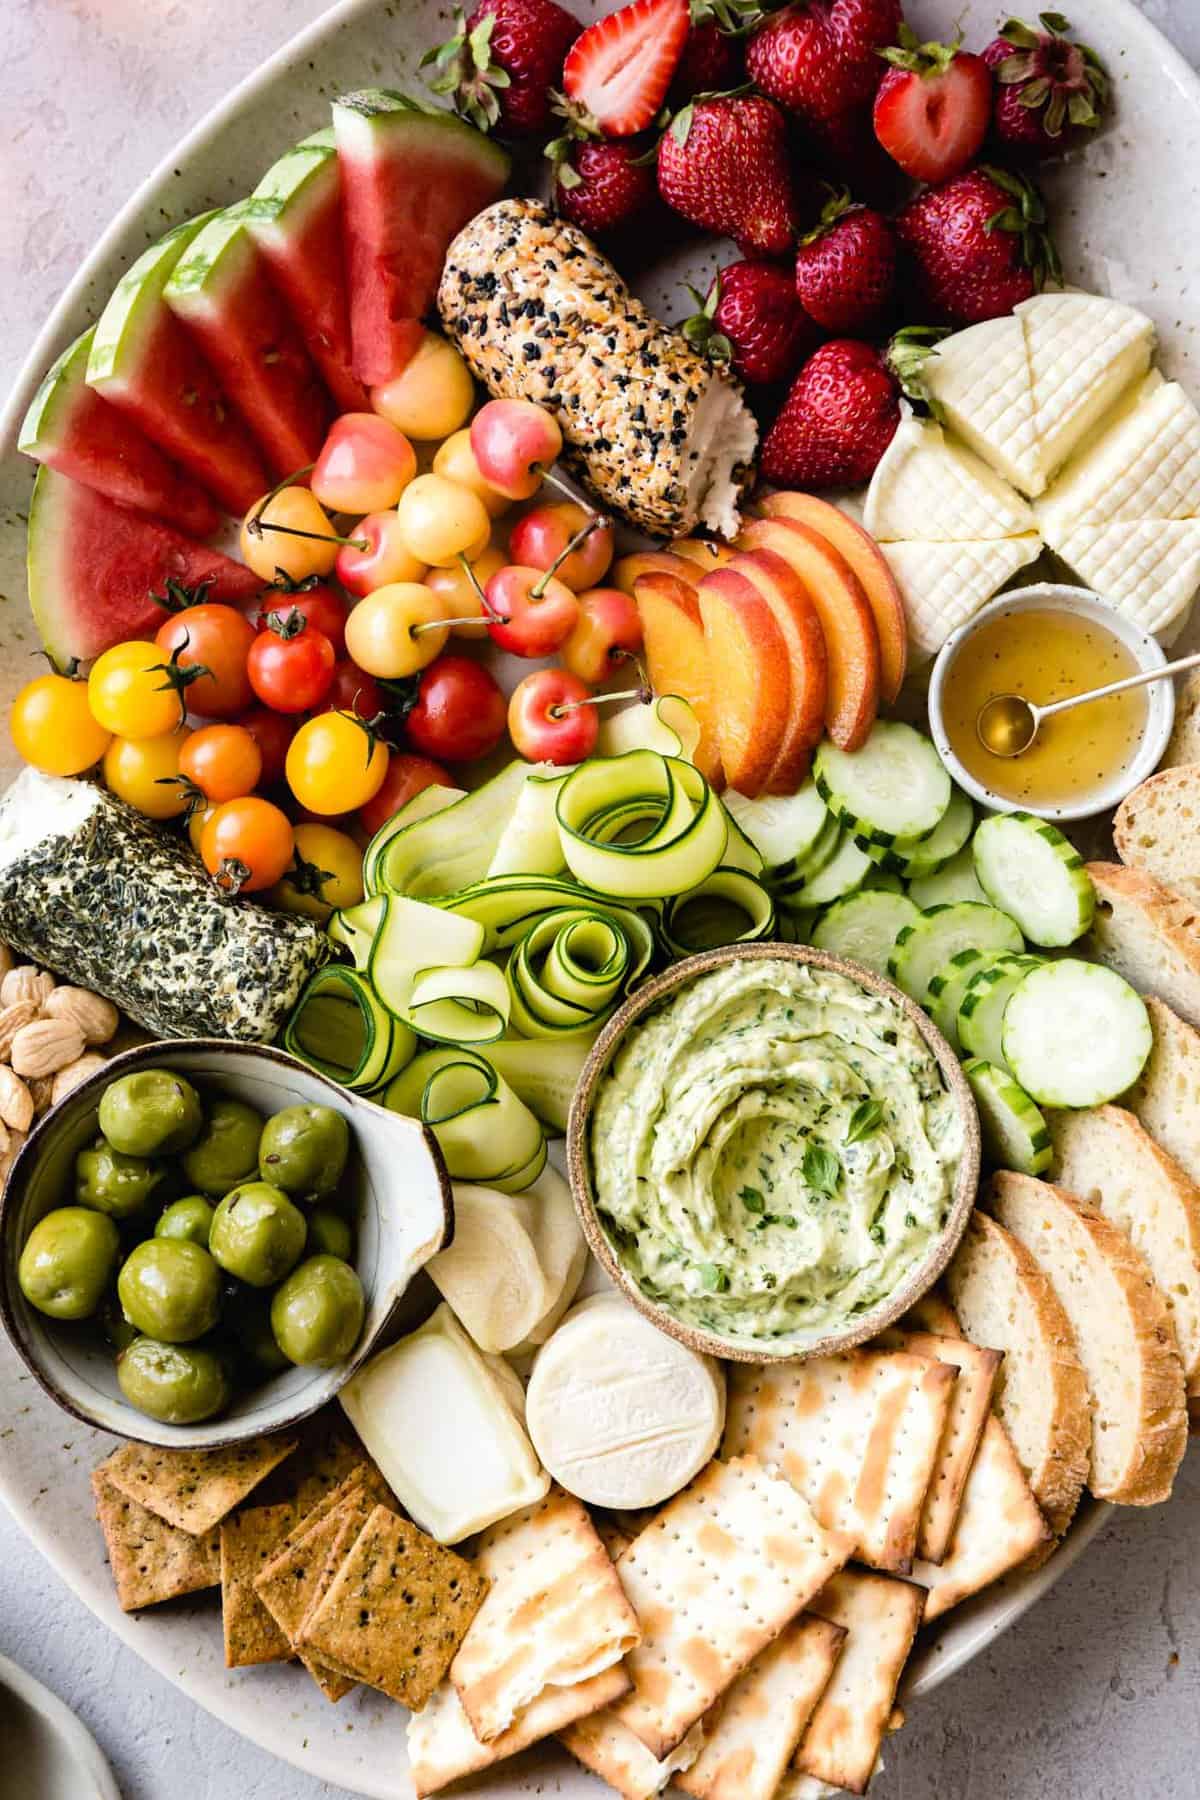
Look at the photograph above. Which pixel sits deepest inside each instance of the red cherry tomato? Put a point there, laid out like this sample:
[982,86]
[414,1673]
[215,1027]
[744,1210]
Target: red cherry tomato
[353,690]
[460,711]
[272,732]
[210,643]
[318,605]
[291,670]
[406,776]
[246,845]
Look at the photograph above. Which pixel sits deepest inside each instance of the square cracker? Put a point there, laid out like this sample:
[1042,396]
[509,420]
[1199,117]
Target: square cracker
[555,1613]
[195,1489]
[150,1560]
[880,1616]
[302,1567]
[328,1451]
[248,1542]
[756,1728]
[856,1434]
[609,1749]
[970,1409]
[442,1747]
[1000,1526]
[396,1610]
[724,1567]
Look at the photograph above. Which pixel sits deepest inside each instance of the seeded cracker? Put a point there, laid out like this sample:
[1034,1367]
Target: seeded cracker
[327,1453]
[396,1611]
[248,1542]
[150,1560]
[194,1489]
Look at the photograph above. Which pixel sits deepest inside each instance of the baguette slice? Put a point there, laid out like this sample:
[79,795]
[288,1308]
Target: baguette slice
[1123,1331]
[1148,934]
[1166,1096]
[1105,1156]
[1157,829]
[1003,1299]
[1184,743]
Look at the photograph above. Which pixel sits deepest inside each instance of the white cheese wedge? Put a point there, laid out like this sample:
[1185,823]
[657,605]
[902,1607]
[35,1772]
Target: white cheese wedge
[444,1433]
[1149,568]
[1084,351]
[622,1415]
[944,585]
[980,379]
[1143,463]
[930,488]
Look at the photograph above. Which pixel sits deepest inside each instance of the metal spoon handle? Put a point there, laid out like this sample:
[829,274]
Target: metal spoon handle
[1118,687]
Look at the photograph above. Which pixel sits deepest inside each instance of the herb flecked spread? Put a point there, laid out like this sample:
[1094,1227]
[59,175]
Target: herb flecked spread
[773,1150]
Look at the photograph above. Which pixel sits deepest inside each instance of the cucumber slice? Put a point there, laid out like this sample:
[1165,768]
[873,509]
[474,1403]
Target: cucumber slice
[784,828]
[981,1009]
[843,874]
[543,1072]
[731,907]
[340,1028]
[740,853]
[433,799]
[640,826]
[1030,869]
[1013,1128]
[485,1132]
[413,939]
[795,924]
[947,988]
[864,927]
[572,968]
[453,846]
[1075,1034]
[530,843]
[886,881]
[355,928]
[893,788]
[667,724]
[825,845]
[460,1006]
[924,856]
[939,934]
[955,880]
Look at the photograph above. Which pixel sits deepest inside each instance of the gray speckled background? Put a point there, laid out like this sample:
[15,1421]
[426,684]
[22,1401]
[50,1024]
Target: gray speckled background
[1096,1695]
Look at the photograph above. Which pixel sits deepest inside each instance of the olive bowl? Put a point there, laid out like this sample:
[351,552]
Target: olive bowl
[395,1178]
[795,1348]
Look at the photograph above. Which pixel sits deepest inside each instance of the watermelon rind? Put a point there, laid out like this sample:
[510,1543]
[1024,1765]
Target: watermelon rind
[132,307]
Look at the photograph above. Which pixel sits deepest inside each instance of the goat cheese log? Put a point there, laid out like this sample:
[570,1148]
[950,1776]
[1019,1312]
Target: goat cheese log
[659,436]
[90,889]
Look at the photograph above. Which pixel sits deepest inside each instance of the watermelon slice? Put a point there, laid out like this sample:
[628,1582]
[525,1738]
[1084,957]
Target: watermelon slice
[72,429]
[411,178]
[94,567]
[221,290]
[296,221]
[144,362]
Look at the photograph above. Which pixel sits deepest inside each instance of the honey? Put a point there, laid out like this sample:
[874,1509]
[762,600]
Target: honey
[1046,655]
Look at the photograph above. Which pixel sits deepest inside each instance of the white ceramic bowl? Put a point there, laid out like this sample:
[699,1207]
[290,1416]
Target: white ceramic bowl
[405,1215]
[1147,653]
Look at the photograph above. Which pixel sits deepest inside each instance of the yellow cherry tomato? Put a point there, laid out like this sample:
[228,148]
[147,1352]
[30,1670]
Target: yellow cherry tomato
[326,872]
[145,773]
[53,728]
[335,763]
[396,630]
[456,461]
[433,393]
[197,819]
[459,595]
[131,694]
[266,551]
[440,521]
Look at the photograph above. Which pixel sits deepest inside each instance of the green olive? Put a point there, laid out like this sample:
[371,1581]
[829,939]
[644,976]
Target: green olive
[170,1289]
[112,1183]
[189,1219]
[329,1234]
[112,1321]
[250,1318]
[317,1314]
[257,1234]
[304,1150]
[226,1151]
[151,1112]
[177,1383]
[67,1262]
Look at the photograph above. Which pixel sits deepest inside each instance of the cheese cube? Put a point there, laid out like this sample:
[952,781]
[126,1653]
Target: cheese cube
[1144,463]
[980,380]
[944,585]
[1084,351]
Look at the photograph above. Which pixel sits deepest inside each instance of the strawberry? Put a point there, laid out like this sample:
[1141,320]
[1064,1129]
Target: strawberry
[710,64]
[620,69]
[846,266]
[821,62]
[502,63]
[978,244]
[752,319]
[723,164]
[603,185]
[841,412]
[933,107]
[1050,91]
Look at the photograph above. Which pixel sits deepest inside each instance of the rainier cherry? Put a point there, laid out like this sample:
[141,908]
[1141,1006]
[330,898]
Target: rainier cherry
[543,538]
[515,442]
[532,610]
[365,465]
[440,521]
[386,558]
[551,718]
[455,459]
[289,531]
[396,630]
[459,590]
[433,393]
[608,629]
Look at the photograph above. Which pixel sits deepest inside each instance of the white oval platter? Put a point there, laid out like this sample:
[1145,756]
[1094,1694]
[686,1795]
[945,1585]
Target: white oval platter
[1123,230]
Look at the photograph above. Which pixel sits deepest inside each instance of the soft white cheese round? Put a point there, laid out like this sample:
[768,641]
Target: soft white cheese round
[620,1414]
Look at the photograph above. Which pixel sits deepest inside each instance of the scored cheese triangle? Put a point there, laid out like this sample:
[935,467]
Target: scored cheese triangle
[981,381]
[929,488]
[1143,463]
[1084,350]
[1149,568]
[944,585]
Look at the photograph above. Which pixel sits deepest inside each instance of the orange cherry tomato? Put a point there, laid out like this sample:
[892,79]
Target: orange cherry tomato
[223,761]
[247,845]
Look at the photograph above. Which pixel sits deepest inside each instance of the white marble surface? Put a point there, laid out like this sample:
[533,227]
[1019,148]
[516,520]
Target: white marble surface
[1095,1696]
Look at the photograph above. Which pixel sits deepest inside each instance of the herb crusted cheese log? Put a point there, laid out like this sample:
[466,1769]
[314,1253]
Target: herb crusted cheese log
[92,890]
[659,436]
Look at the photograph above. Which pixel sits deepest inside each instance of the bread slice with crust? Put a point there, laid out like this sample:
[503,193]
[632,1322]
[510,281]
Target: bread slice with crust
[1149,934]
[1123,1331]
[1157,829]
[1002,1298]
[1183,745]
[1166,1096]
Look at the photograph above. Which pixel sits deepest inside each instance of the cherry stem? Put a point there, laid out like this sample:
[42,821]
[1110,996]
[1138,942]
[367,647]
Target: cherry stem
[572,544]
[644,694]
[489,611]
[557,482]
[445,624]
[256,524]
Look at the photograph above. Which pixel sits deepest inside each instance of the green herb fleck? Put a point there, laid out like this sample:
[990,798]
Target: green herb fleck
[713,1278]
[822,1169]
[865,1119]
[752,1200]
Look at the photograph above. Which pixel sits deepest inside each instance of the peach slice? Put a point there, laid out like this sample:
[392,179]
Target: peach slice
[677,657]
[706,552]
[868,562]
[751,677]
[851,640]
[796,616]
[626,570]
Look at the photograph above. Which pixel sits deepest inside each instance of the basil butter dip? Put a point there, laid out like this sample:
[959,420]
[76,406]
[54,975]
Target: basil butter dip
[773,1151]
